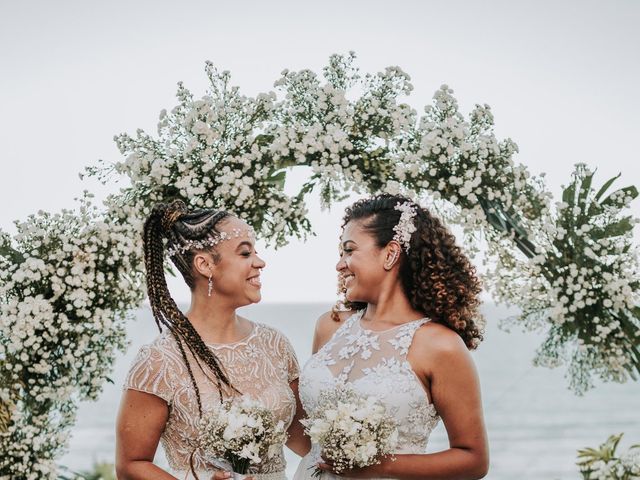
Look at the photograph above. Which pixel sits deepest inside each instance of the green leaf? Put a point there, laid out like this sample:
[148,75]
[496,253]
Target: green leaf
[263,139]
[613,230]
[606,186]
[585,188]
[278,179]
[11,253]
[569,193]
[628,191]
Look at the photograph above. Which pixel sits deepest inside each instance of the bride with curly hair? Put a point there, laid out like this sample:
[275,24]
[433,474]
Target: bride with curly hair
[413,318]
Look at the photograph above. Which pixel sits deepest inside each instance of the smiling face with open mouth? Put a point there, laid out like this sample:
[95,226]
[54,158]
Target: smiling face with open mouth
[361,263]
[237,270]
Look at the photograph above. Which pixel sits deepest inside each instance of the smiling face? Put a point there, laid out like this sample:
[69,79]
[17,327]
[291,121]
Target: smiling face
[236,270]
[361,263]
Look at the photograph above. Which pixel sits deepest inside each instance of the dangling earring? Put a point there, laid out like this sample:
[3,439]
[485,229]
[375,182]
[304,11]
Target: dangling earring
[209,287]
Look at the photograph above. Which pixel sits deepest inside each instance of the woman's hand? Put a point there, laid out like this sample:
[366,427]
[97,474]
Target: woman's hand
[221,475]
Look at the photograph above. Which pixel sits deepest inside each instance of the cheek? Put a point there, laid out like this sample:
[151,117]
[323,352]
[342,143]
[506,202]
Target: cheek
[365,269]
[232,272]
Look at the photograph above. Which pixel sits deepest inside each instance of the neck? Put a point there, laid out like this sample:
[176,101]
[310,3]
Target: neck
[392,307]
[214,320]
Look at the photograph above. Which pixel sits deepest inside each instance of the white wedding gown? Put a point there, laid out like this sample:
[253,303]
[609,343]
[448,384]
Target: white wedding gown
[373,363]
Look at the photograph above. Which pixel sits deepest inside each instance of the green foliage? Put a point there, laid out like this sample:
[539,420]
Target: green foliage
[603,463]
[100,471]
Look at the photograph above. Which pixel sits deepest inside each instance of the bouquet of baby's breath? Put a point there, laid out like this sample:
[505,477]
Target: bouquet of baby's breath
[240,434]
[353,430]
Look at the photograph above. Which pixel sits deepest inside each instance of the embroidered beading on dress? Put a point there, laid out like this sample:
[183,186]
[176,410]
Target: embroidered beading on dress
[373,363]
[262,365]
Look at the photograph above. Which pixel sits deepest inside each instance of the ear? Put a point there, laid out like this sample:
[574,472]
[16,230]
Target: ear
[204,264]
[392,254]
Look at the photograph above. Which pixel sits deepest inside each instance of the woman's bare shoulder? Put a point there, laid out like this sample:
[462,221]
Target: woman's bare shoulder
[326,326]
[436,340]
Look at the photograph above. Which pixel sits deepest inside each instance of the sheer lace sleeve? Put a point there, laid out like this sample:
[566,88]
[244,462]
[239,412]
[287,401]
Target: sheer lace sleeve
[291,360]
[150,373]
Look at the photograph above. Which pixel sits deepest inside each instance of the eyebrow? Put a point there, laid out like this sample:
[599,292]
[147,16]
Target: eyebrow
[344,244]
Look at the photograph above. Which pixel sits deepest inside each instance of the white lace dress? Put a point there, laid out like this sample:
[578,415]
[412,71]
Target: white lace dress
[262,365]
[373,363]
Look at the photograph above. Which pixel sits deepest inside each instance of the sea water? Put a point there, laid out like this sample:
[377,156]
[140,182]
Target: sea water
[535,424]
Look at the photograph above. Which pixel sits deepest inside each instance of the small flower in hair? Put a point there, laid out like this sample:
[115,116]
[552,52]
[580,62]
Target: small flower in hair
[405,227]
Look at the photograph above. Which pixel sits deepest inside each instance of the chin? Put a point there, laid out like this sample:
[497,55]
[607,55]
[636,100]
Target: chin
[255,298]
[352,296]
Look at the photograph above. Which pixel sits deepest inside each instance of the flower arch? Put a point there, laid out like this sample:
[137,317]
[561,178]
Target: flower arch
[69,281]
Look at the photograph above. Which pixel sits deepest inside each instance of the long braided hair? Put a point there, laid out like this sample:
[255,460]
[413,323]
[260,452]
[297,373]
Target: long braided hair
[178,225]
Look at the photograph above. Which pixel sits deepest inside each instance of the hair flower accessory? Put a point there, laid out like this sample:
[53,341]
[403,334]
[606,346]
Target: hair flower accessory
[405,227]
[210,242]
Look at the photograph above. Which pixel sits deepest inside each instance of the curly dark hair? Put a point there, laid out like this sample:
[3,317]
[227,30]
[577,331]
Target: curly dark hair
[437,277]
[175,223]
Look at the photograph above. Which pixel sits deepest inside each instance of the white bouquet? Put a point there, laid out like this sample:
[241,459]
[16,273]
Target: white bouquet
[240,434]
[353,430]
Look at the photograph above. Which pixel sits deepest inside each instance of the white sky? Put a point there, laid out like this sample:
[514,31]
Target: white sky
[562,79]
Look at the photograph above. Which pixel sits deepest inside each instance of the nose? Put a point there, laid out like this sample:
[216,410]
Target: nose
[259,263]
[341,265]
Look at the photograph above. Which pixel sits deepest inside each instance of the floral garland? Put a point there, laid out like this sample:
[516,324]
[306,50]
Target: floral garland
[68,280]
[229,151]
[65,294]
[581,284]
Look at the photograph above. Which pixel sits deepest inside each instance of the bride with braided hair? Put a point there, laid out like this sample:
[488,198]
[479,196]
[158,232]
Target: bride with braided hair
[206,355]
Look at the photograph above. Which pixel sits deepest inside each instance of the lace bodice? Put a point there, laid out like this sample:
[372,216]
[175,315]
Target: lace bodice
[374,363]
[261,365]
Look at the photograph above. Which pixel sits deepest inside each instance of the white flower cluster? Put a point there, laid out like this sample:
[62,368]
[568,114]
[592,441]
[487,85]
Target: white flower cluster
[406,225]
[229,151]
[604,463]
[211,153]
[65,289]
[348,143]
[580,285]
[241,432]
[354,133]
[352,430]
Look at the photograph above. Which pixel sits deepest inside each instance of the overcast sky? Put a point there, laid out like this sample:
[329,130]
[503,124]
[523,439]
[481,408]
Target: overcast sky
[562,78]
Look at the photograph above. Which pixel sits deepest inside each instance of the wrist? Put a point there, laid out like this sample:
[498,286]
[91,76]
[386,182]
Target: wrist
[386,466]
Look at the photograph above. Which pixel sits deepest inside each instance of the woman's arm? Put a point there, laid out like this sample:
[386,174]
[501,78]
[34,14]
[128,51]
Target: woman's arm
[440,356]
[298,442]
[141,420]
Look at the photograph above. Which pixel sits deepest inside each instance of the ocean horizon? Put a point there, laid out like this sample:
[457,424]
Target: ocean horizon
[535,424]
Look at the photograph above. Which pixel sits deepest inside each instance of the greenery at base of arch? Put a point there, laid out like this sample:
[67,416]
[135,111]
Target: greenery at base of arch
[68,281]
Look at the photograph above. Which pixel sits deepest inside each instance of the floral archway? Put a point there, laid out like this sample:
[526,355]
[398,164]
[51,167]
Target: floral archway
[68,281]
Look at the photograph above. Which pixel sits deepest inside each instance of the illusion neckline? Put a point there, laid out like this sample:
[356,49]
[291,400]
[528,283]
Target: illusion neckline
[245,339]
[362,327]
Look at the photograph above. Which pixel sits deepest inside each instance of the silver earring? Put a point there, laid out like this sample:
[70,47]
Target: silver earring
[209,287]
[392,261]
